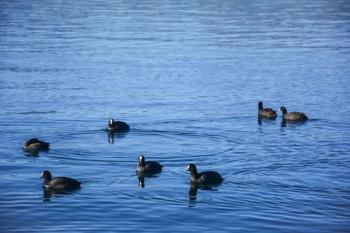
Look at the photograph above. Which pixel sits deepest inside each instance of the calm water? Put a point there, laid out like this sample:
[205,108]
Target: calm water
[186,76]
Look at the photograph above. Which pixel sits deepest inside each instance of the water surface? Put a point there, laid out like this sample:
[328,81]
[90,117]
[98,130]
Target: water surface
[187,77]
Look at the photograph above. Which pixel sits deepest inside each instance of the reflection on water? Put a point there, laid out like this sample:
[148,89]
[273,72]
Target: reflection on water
[143,176]
[49,193]
[262,119]
[192,193]
[141,181]
[284,123]
[46,195]
[35,153]
[111,136]
[32,154]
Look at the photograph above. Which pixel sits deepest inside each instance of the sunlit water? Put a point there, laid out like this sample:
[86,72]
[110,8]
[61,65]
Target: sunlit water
[186,76]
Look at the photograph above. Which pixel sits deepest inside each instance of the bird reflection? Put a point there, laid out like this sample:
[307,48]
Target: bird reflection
[141,181]
[284,123]
[49,193]
[192,193]
[141,177]
[35,153]
[263,119]
[111,136]
[46,195]
[32,154]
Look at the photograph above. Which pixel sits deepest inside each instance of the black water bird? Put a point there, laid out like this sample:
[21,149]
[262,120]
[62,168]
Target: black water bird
[148,167]
[293,116]
[117,126]
[268,113]
[206,177]
[59,183]
[35,145]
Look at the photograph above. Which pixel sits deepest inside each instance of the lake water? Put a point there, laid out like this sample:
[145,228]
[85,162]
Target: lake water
[187,77]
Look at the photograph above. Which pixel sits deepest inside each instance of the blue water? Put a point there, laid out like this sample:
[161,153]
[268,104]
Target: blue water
[187,77]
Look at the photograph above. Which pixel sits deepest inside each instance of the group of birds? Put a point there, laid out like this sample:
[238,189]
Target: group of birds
[269,113]
[149,168]
[143,169]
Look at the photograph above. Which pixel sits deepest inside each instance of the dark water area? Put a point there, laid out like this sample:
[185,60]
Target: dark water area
[187,77]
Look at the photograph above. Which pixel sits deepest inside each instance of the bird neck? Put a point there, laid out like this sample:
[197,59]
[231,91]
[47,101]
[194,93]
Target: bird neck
[46,181]
[194,174]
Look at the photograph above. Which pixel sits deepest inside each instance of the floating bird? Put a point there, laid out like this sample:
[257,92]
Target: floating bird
[117,126]
[34,145]
[293,116]
[206,177]
[149,167]
[59,183]
[266,112]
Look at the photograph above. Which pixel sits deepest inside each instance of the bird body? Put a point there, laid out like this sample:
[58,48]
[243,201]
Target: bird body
[35,145]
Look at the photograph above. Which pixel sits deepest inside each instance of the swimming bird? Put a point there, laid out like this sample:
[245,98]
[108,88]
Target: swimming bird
[293,116]
[266,112]
[34,145]
[148,167]
[59,183]
[117,126]
[206,177]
